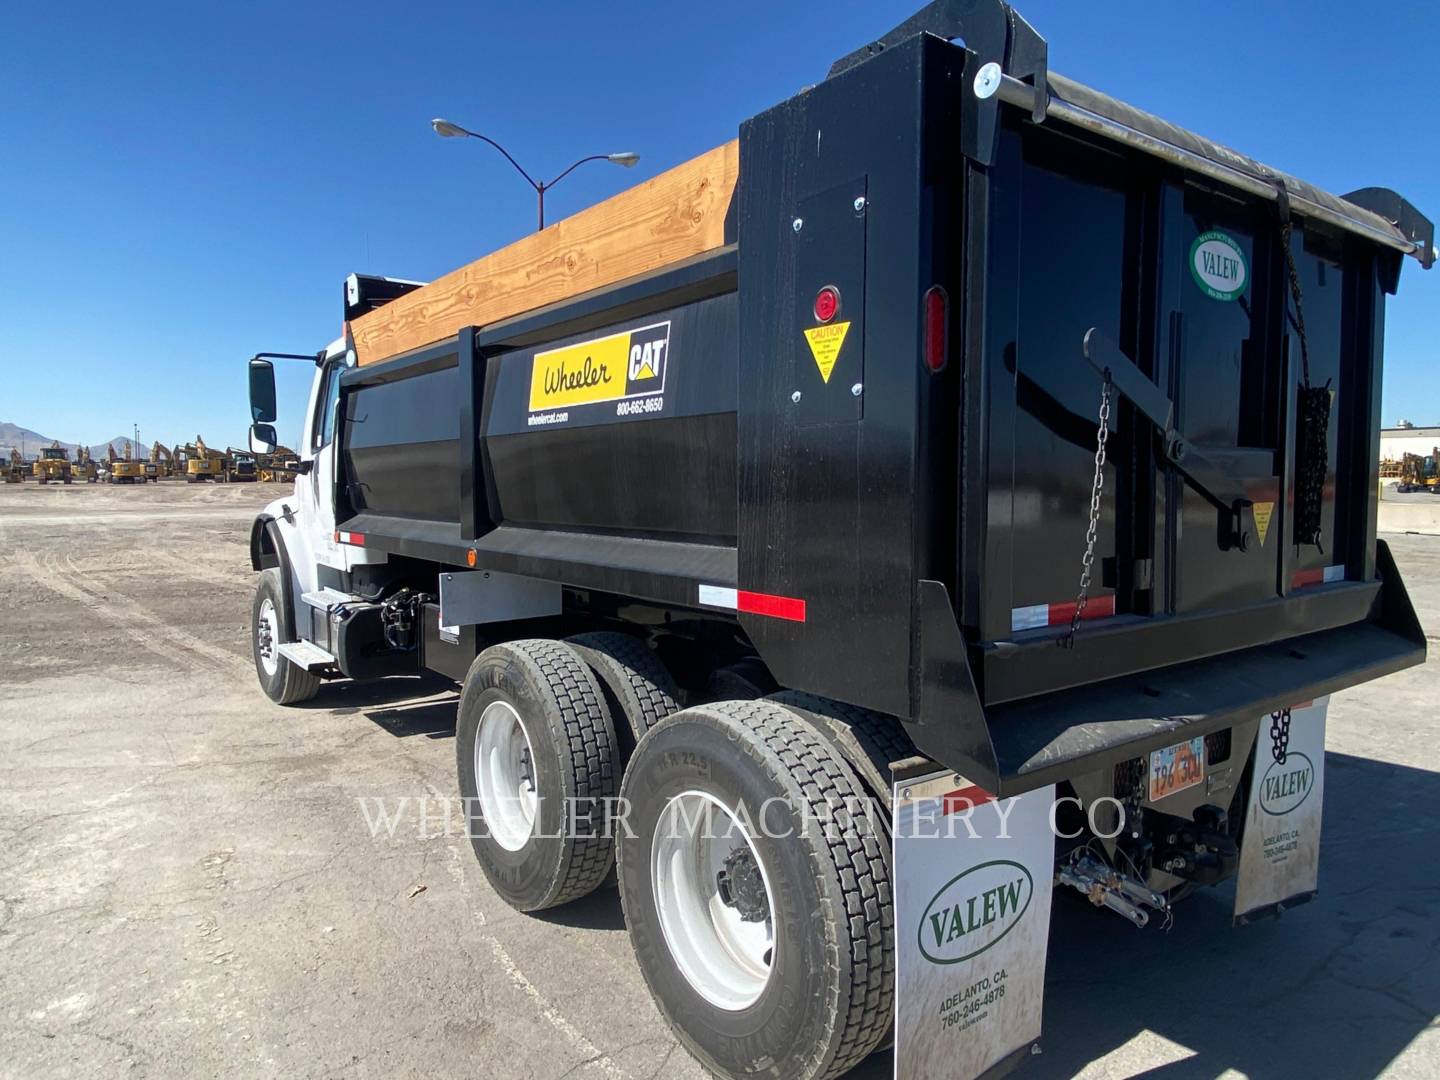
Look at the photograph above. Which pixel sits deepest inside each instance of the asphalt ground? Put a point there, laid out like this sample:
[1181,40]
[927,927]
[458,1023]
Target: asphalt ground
[195,882]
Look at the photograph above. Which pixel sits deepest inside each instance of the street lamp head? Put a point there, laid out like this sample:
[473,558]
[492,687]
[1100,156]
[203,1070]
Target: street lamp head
[446,130]
[626,159]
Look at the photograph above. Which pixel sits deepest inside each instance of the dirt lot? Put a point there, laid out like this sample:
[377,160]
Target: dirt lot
[190,884]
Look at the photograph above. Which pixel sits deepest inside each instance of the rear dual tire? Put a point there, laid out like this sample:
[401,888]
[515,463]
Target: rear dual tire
[817,994]
[538,766]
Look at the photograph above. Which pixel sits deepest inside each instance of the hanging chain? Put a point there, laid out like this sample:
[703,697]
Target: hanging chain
[1299,317]
[1097,486]
[1280,735]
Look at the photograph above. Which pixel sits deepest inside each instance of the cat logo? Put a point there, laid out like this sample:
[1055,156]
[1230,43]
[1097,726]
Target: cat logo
[612,368]
[647,354]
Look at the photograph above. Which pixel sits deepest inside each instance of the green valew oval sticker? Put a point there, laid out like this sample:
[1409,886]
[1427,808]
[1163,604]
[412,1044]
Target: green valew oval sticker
[1218,266]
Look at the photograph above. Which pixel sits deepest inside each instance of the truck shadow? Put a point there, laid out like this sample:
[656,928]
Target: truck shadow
[1336,988]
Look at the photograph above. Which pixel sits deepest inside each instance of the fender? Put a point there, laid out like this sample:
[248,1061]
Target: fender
[276,542]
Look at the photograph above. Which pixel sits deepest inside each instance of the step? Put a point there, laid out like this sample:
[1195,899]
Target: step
[327,598]
[305,654]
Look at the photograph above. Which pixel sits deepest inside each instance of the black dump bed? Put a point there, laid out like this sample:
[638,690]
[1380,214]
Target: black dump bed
[892,486]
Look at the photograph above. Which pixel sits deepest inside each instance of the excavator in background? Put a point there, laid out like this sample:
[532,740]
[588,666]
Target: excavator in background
[206,464]
[52,464]
[1420,473]
[15,473]
[125,468]
[161,465]
[85,467]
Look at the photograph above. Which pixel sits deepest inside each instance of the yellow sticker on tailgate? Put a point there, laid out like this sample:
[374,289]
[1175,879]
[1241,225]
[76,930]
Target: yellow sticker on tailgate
[825,342]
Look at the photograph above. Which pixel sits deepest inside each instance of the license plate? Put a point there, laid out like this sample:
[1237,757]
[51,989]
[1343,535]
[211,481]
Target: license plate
[1175,768]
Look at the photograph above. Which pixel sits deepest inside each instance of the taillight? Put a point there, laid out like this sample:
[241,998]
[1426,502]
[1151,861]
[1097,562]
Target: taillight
[827,303]
[937,320]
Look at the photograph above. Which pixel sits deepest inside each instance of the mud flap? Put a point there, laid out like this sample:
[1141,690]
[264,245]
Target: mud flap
[1280,847]
[973,884]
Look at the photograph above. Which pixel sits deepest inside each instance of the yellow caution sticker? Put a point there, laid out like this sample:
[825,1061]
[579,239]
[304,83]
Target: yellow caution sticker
[1263,512]
[825,342]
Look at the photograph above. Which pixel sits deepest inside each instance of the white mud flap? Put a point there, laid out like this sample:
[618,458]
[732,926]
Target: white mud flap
[1280,848]
[973,883]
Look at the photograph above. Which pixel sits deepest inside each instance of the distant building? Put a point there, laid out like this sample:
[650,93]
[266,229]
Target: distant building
[1406,438]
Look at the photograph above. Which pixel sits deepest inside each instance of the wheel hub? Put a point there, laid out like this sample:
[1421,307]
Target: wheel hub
[741,887]
[714,901]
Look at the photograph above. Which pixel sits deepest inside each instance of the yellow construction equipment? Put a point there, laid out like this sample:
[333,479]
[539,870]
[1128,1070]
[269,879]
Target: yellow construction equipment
[278,467]
[161,465]
[52,464]
[125,469]
[206,464]
[1419,473]
[1389,468]
[85,467]
[15,474]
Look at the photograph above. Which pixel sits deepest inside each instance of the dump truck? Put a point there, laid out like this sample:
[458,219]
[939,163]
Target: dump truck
[955,491]
[52,465]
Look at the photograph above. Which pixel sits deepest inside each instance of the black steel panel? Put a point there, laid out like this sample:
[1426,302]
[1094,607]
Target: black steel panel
[401,446]
[829,253]
[827,510]
[449,658]
[662,478]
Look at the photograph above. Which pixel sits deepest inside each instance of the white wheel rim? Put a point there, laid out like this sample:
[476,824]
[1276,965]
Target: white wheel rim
[505,776]
[725,957]
[267,636]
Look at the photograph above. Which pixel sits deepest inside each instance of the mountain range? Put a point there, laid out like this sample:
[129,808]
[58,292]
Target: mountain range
[29,443]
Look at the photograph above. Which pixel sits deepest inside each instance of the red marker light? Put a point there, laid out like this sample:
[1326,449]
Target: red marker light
[936,324]
[827,303]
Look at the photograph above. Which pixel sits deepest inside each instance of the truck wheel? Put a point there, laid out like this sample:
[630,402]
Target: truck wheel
[637,688]
[759,909]
[535,753]
[868,741]
[283,682]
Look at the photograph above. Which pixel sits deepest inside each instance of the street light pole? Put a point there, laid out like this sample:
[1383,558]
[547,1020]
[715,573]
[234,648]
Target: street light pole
[445,129]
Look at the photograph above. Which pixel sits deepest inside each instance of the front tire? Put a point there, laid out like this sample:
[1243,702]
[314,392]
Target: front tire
[537,763]
[284,683]
[779,844]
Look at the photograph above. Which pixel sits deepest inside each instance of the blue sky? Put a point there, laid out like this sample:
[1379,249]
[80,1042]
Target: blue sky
[182,185]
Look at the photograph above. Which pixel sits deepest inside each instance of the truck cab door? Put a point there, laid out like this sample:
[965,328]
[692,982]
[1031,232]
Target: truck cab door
[316,491]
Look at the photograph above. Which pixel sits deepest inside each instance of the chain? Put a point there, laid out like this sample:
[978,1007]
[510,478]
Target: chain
[1280,735]
[1097,486]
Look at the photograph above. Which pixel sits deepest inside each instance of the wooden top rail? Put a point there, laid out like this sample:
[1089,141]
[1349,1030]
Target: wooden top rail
[673,216]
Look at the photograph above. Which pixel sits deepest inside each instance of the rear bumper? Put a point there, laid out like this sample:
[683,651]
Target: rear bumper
[1020,745]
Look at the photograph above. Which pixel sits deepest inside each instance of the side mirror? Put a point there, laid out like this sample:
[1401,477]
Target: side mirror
[263,439]
[262,392]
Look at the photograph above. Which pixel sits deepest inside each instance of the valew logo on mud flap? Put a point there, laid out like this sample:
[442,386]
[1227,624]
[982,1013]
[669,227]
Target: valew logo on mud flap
[975,910]
[1286,785]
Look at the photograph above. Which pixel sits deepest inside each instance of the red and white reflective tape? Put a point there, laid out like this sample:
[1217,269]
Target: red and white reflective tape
[966,798]
[753,603]
[1037,616]
[342,537]
[1319,576]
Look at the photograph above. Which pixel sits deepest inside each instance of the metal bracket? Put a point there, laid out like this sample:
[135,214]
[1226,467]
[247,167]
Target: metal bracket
[1395,209]
[489,596]
[1203,473]
[993,32]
